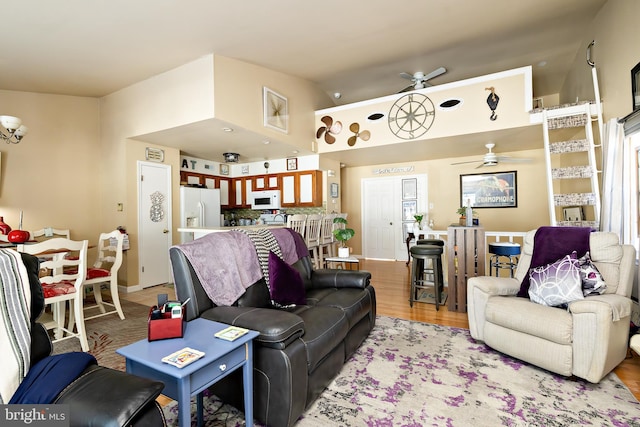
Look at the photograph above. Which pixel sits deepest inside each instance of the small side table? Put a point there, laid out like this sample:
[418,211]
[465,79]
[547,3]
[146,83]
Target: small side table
[350,261]
[221,358]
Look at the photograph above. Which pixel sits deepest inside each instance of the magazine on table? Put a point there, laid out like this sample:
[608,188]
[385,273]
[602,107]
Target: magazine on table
[183,357]
[231,333]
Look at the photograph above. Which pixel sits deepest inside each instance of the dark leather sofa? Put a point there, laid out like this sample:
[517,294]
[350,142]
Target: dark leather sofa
[300,349]
[99,396]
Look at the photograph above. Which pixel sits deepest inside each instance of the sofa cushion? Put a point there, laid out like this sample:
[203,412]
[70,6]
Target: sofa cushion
[557,283]
[285,283]
[552,324]
[355,303]
[324,329]
[592,281]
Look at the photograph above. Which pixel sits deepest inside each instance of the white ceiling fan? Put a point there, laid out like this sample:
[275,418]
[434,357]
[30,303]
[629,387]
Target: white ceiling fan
[419,79]
[492,159]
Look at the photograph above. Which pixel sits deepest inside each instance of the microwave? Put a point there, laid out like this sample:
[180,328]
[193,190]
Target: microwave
[269,199]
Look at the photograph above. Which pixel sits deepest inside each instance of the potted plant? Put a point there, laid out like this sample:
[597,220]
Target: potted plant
[462,212]
[418,218]
[342,234]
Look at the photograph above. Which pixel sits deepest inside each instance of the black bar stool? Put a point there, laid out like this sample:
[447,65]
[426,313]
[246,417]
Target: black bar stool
[427,261]
[501,250]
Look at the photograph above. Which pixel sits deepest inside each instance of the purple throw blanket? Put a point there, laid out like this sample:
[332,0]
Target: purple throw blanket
[291,244]
[552,243]
[226,264]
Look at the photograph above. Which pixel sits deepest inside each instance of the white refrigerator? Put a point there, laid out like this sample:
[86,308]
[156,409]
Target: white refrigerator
[199,207]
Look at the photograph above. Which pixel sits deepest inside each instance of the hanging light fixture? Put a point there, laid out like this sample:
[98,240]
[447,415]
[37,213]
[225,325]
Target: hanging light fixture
[13,130]
[231,157]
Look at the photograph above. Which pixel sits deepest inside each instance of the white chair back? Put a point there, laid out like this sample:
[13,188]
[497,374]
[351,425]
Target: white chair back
[106,269]
[297,222]
[64,283]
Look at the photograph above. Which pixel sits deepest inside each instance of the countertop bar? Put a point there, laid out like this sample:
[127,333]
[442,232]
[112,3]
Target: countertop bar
[199,232]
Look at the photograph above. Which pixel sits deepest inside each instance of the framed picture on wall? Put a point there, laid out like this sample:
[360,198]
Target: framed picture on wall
[409,208]
[334,190]
[410,188]
[489,190]
[635,86]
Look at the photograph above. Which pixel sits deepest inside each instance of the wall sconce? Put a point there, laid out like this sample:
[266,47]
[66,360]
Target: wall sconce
[14,129]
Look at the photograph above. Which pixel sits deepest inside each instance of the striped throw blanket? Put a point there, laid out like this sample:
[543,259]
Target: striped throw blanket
[15,323]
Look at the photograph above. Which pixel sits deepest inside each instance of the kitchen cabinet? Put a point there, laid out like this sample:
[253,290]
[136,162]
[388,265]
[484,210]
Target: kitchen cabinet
[241,192]
[301,189]
[266,182]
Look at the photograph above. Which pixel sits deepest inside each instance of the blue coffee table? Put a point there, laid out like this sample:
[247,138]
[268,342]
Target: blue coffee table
[221,358]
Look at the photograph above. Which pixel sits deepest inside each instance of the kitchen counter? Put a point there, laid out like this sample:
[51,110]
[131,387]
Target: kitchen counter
[199,232]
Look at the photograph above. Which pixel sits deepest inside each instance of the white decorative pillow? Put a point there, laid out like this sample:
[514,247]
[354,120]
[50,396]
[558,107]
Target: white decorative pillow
[592,281]
[557,283]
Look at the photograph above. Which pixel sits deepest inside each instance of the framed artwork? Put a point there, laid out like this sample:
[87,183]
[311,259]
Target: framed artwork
[489,190]
[245,169]
[292,164]
[410,188]
[224,169]
[334,190]
[276,110]
[407,227]
[409,208]
[635,86]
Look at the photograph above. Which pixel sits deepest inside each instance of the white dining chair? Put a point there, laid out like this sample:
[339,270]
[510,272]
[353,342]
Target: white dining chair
[312,237]
[297,223]
[105,270]
[50,233]
[63,284]
[326,237]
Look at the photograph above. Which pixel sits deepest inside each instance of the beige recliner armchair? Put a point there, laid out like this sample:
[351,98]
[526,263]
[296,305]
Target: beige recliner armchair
[588,340]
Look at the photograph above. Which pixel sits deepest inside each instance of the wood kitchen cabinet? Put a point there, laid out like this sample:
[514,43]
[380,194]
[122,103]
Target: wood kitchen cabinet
[240,192]
[301,189]
[266,182]
[209,181]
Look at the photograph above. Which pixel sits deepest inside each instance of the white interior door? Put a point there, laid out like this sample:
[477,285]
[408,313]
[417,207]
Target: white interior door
[379,219]
[154,223]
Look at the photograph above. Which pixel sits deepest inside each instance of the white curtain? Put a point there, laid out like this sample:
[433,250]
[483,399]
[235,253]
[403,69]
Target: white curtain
[617,197]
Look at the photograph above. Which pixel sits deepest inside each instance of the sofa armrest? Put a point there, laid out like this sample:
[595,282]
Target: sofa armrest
[277,328]
[600,334]
[336,278]
[128,396]
[479,290]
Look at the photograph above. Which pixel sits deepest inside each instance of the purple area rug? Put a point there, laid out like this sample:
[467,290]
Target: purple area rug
[416,374]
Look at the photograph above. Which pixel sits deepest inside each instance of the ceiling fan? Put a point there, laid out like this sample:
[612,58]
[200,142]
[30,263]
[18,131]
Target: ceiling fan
[419,79]
[492,159]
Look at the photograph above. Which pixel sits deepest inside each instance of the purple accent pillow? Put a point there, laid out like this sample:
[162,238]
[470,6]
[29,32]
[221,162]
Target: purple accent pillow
[557,283]
[285,283]
[551,244]
[592,281]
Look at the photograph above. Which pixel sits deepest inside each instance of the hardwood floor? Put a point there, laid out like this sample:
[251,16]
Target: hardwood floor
[391,281]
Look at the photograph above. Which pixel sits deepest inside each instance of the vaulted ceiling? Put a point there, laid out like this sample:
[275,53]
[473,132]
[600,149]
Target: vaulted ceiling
[356,47]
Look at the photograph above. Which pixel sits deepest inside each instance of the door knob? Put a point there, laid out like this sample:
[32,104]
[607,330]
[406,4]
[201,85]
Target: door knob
[390,223]
[165,231]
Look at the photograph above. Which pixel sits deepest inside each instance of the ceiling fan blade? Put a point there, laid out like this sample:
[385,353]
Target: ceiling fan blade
[327,120]
[470,161]
[352,140]
[365,135]
[354,127]
[514,159]
[434,73]
[320,131]
[408,88]
[406,76]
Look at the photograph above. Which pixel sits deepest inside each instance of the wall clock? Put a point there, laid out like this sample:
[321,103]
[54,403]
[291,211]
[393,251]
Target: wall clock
[276,110]
[411,116]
